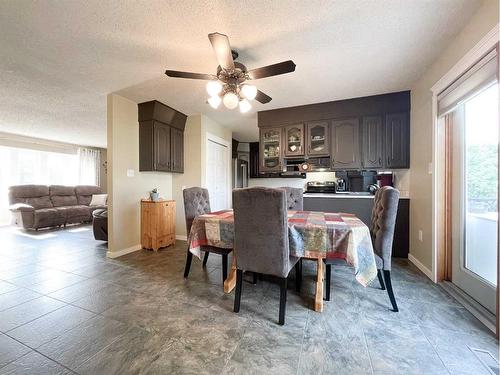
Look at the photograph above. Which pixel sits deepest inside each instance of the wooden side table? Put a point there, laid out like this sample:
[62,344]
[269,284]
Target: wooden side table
[157,223]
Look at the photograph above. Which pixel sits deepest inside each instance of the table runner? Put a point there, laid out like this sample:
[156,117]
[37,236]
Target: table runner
[311,234]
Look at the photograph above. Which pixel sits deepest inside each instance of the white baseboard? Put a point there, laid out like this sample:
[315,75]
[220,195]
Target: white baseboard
[420,266]
[119,253]
[181,237]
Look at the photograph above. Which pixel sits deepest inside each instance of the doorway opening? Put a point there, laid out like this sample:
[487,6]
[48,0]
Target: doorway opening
[467,164]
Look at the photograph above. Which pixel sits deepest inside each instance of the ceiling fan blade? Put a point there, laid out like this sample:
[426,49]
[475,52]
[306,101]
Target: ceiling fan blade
[220,43]
[177,74]
[272,70]
[262,98]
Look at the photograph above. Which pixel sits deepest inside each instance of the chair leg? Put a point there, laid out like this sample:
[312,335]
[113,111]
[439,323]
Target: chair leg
[254,278]
[283,286]
[237,294]
[224,267]
[380,279]
[388,285]
[189,258]
[205,258]
[328,280]
[298,275]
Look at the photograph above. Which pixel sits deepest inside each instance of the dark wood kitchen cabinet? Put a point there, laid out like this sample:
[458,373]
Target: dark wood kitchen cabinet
[161,147]
[177,150]
[318,140]
[294,140]
[270,150]
[254,160]
[370,132]
[373,142]
[345,144]
[161,138]
[397,140]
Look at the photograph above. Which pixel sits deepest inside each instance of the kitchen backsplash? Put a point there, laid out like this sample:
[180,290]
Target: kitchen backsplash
[401,181]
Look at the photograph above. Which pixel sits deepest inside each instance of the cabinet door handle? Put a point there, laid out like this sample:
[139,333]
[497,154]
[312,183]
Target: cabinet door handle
[388,160]
[380,160]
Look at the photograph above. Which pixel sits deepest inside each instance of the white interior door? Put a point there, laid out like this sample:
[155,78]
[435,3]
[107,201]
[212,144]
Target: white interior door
[218,175]
[474,197]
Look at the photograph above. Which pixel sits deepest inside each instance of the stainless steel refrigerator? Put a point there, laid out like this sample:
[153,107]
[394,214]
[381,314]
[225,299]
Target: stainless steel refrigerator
[240,173]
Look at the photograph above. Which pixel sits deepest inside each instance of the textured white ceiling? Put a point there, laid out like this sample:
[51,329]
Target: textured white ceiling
[58,60]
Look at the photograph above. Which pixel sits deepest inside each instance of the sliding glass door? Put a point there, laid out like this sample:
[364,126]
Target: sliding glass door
[474,155]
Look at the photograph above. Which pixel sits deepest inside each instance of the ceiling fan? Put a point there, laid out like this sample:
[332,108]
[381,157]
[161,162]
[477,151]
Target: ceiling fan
[228,84]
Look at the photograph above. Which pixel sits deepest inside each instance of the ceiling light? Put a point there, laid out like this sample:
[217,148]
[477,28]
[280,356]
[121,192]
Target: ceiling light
[245,106]
[249,91]
[214,101]
[214,88]
[230,100]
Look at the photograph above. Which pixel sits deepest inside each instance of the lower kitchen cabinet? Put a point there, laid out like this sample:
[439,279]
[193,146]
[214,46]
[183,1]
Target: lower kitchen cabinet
[362,208]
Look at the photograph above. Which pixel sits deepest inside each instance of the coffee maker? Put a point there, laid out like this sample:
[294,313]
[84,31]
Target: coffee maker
[341,181]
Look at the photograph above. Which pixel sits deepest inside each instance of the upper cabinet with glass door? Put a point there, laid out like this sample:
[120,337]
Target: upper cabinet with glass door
[270,150]
[294,140]
[318,139]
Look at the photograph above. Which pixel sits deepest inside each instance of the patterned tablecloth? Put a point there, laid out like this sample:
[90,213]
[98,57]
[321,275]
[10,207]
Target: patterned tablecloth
[311,235]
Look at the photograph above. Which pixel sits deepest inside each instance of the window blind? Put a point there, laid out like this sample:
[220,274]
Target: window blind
[479,76]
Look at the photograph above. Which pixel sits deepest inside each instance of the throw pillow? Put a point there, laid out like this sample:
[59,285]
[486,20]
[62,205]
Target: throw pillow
[99,200]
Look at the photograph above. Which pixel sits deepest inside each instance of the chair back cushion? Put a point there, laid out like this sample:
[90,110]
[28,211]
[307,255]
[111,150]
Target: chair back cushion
[294,198]
[385,209]
[84,193]
[61,195]
[261,230]
[196,202]
[33,195]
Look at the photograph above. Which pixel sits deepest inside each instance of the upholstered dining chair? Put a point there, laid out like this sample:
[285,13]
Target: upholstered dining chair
[294,198]
[261,238]
[385,209]
[197,202]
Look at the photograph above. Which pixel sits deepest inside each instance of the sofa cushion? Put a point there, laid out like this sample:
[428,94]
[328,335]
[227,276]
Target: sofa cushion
[39,202]
[63,200]
[84,193]
[61,195]
[33,195]
[28,191]
[47,217]
[75,214]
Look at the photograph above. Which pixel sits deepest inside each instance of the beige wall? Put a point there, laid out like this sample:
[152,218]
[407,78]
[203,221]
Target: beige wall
[192,169]
[124,192]
[421,128]
[195,138]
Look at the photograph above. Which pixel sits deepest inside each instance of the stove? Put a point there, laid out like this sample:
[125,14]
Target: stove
[327,187]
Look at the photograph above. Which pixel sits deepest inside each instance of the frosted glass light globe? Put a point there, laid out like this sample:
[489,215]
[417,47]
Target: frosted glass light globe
[249,91]
[245,106]
[214,101]
[214,88]
[230,100]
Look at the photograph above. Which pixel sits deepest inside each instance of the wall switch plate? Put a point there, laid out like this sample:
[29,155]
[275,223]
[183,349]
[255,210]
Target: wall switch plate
[420,235]
[130,173]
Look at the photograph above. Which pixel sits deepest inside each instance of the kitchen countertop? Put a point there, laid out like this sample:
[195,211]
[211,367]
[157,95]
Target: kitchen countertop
[343,195]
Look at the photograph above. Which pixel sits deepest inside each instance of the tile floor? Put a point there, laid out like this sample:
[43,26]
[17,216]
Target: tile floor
[65,308]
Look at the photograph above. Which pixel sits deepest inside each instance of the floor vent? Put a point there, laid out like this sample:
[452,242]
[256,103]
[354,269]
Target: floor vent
[487,359]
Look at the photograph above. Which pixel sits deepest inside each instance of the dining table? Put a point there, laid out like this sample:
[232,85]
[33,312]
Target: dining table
[311,235]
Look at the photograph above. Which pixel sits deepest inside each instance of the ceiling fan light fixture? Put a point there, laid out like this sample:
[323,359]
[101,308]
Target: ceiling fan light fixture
[249,91]
[245,106]
[230,100]
[214,88]
[214,101]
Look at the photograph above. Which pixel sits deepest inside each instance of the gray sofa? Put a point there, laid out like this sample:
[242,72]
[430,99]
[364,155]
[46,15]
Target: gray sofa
[41,206]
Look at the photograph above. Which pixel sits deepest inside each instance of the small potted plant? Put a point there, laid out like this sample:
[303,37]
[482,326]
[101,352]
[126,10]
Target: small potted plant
[154,195]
